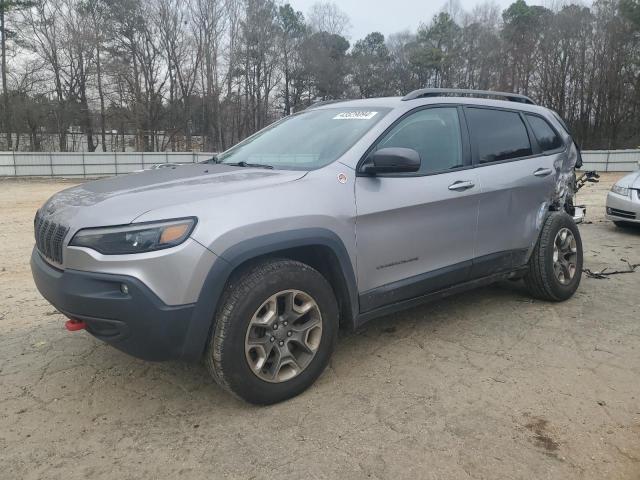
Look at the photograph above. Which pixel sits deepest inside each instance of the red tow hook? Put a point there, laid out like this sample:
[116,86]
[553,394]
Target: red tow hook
[74,325]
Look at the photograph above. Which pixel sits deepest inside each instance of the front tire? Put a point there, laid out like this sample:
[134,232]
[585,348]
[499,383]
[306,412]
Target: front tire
[555,266]
[274,332]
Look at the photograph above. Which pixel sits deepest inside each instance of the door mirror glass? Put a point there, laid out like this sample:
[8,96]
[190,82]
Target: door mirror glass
[392,160]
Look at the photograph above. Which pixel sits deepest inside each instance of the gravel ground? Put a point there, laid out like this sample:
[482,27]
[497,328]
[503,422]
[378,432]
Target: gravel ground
[489,384]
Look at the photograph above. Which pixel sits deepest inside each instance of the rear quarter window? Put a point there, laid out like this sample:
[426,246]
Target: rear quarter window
[498,135]
[546,136]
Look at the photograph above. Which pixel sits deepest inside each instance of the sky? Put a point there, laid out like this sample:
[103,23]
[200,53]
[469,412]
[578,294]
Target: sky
[391,16]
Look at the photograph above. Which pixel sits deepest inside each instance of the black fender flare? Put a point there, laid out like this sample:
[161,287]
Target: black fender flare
[229,260]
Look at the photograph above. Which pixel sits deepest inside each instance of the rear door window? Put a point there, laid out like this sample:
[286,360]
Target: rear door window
[498,135]
[547,137]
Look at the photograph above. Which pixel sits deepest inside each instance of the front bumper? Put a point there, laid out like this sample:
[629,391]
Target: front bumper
[623,209]
[137,322]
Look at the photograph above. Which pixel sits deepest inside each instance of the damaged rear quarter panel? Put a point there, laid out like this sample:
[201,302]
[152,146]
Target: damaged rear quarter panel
[564,191]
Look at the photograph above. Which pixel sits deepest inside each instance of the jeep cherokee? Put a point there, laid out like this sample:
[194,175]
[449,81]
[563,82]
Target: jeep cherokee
[328,218]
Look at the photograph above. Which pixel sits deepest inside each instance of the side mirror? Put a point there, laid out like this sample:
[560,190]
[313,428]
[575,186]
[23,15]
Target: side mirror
[392,160]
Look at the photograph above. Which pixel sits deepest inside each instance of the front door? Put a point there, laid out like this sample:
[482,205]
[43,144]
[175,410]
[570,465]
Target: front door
[415,233]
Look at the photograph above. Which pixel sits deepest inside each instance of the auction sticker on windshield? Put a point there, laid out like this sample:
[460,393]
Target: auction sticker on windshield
[355,116]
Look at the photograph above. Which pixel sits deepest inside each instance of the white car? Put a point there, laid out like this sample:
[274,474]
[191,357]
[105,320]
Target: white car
[623,201]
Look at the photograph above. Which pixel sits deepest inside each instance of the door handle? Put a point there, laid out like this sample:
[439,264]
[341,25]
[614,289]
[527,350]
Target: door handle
[543,172]
[461,185]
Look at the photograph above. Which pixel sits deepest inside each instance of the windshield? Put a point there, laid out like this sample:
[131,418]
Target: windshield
[305,141]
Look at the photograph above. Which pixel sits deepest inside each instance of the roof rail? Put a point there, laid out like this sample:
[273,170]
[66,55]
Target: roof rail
[458,92]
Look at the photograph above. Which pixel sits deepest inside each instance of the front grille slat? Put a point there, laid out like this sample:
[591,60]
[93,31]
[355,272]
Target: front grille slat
[58,238]
[36,228]
[49,238]
[48,234]
[43,235]
[622,213]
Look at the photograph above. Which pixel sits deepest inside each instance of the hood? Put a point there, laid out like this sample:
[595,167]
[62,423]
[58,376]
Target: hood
[630,181]
[120,200]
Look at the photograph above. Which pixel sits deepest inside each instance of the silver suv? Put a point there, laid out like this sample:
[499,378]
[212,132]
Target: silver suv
[328,218]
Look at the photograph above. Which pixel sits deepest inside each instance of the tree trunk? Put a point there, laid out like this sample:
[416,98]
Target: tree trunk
[5,87]
[103,133]
[84,104]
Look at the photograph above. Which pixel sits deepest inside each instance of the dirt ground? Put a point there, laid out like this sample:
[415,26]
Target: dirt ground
[489,384]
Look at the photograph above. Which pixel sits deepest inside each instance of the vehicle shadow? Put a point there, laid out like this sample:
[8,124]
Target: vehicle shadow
[630,228]
[445,309]
[175,382]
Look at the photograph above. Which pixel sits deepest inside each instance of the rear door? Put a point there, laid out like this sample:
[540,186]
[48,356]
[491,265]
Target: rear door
[415,232]
[517,180]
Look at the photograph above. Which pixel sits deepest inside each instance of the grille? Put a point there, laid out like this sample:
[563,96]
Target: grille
[621,213]
[49,238]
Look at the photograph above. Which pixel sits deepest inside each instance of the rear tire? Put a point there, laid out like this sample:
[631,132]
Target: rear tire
[555,266]
[262,348]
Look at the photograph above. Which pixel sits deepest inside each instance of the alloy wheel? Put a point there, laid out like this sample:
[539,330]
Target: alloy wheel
[283,336]
[565,256]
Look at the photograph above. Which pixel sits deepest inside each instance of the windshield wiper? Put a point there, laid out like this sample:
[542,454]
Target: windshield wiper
[252,165]
[211,160]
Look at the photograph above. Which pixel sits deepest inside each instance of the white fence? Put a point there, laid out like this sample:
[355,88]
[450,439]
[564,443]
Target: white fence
[97,164]
[611,160]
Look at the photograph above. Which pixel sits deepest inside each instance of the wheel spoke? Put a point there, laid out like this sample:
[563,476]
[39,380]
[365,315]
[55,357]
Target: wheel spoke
[558,242]
[266,314]
[557,268]
[312,339]
[297,305]
[259,354]
[258,340]
[285,367]
[275,367]
[305,323]
[566,270]
[302,304]
[288,298]
[300,339]
[565,254]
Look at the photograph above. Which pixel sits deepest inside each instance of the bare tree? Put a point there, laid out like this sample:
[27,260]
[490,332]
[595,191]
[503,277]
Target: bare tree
[293,31]
[327,17]
[204,74]
[183,58]
[43,24]
[95,10]
[210,20]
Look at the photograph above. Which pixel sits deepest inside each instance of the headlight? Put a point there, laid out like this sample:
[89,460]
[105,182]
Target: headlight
[135,238]
[624,191]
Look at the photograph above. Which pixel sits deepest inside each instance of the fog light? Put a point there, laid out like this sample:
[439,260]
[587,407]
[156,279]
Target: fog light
[124,289]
